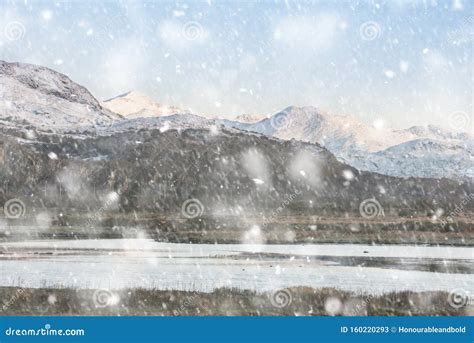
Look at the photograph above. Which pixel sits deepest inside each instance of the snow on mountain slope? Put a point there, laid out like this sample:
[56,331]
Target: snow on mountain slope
[164,123]
[422,158]
[435,132]
[42,97]
[418,151]
[415,152]
[137,105]
[335,132]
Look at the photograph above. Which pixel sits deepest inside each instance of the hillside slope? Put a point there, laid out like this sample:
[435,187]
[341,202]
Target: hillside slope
[41,97]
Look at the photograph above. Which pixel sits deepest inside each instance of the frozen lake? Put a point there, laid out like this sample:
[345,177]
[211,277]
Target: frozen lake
[121,263]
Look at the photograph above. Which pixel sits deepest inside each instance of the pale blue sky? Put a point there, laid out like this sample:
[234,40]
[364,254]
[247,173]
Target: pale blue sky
[405,62]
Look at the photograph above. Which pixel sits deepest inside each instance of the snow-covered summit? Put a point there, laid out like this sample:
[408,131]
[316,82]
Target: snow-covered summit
[420,151]
[135,104]
[422,157]
[42,97]
[336,132]
[414,152]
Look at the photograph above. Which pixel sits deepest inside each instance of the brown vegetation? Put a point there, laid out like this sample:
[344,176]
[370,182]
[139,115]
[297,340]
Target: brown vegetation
[304,301]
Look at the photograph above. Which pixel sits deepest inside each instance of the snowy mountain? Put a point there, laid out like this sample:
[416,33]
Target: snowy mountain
[60,158]
[38,96]
[422,158]
[42,98]
[229,171]
[418,151]
[178,121]
[137,105]
[335,132]
[435,132]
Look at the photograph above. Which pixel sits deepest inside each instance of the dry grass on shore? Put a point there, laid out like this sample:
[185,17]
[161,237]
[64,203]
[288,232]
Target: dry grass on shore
[296,301]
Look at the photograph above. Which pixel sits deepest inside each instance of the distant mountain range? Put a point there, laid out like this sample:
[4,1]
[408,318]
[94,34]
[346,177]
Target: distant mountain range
[420,151]
[66,160]
[37,97]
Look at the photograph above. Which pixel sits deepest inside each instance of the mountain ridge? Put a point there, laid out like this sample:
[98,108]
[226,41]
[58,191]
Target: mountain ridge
[152,167]
[352,141]
[44,99]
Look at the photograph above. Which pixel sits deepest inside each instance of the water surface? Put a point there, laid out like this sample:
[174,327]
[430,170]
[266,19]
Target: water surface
[121,263]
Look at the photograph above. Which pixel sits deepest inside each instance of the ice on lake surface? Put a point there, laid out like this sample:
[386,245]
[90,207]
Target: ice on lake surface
[122,263]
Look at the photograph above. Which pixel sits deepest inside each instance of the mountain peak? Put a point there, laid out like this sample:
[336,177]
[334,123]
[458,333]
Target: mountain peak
[42,97]
[423,151]
[135,104]
[46,81]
